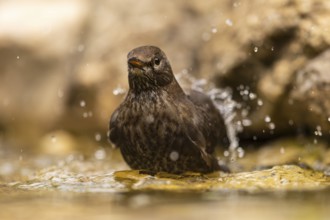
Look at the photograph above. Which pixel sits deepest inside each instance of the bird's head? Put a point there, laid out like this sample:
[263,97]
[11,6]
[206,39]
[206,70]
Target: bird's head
[148,69]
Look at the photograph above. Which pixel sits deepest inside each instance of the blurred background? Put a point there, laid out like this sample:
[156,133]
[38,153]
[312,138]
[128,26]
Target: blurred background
[63,64]
[63,72]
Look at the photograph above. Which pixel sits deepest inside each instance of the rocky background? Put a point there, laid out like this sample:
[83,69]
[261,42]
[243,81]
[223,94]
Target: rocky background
[63,64]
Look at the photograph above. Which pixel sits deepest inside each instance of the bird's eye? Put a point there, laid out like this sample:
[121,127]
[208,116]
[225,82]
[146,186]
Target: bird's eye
[156,61]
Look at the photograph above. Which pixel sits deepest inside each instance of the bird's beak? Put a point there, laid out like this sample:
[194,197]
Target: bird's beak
[134,62]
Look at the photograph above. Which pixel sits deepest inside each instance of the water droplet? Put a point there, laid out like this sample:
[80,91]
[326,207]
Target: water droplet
[214,30]
[252,96]
[85,114]
[100,154]
[246,122]
[17,57]
[236,4]
[98,137]
[82,103]
[255,49]
[272,49]
[318,131]
[174,155]
[282,150]
[118,91]
[240,152]
[260,102]
[267,119]
[271,126]
[329,119]
[229,22]
[226,153]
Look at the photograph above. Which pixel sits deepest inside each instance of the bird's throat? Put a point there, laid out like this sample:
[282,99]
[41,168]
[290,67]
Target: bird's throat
[136,71]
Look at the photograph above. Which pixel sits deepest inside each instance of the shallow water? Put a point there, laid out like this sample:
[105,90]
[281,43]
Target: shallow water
[48,187]
[142,205]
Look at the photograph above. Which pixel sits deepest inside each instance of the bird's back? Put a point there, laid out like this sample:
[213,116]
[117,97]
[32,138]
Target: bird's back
[213,126]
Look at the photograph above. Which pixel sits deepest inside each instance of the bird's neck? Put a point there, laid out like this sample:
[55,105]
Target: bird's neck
[171,90]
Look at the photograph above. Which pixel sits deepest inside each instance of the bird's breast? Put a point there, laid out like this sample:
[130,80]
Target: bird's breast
[149,122]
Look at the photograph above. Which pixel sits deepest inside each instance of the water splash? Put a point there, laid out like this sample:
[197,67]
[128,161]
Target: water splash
[229,22]
[214,30]
[256,49]
[98,137]
[236,4]
[82,103]
[119,91]
[267,119]
[174,155]
[100,154]
[222,98]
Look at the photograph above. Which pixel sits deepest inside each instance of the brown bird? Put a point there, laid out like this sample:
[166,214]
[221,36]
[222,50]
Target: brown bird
[159,128]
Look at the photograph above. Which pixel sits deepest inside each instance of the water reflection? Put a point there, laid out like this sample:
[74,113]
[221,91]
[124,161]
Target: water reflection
[140,205]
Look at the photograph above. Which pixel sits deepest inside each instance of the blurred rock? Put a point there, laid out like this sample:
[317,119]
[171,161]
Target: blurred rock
[257,49]
[65,68]
[307,104]
[37,54]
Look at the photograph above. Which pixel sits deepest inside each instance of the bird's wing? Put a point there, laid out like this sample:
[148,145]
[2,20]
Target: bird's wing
[113,131]
[198,140]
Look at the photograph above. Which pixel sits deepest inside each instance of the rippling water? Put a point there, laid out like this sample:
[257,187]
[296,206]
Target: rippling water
[90,188]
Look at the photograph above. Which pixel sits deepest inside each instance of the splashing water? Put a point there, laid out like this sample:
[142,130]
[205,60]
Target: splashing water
[222,99]
[256,49]
[226,105]
[82,103]
[229,22]
[119,91]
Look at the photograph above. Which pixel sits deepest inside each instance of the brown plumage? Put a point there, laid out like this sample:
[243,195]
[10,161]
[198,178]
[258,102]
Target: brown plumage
[160,128]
